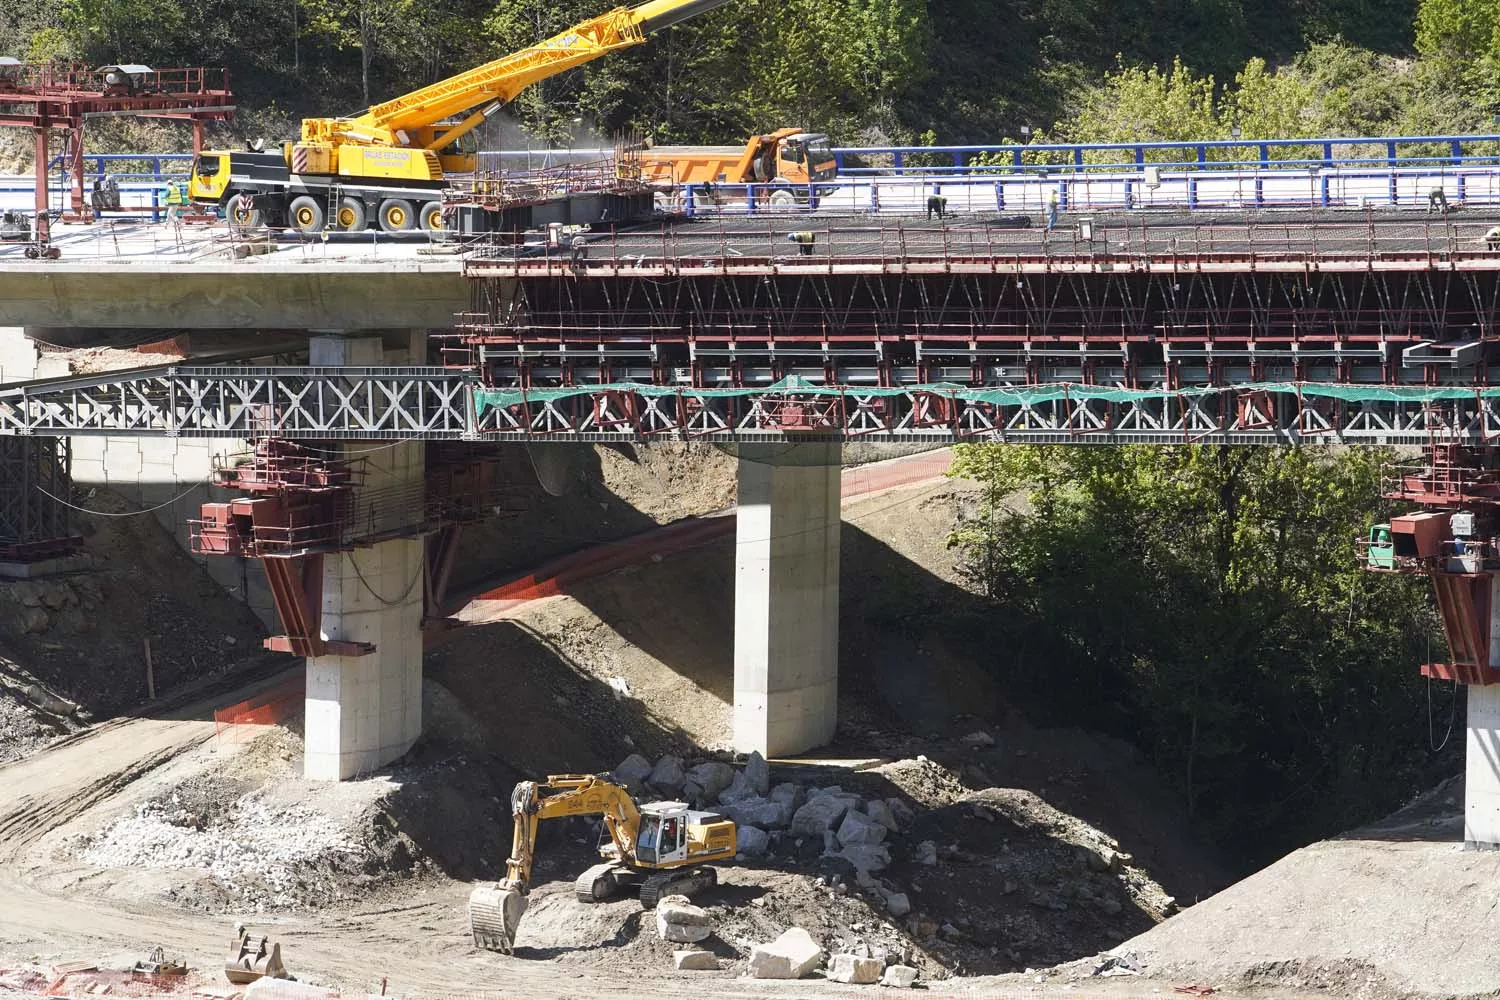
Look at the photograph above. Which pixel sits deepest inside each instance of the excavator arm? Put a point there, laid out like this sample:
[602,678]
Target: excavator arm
[561,796]
[495,911]
[406,119]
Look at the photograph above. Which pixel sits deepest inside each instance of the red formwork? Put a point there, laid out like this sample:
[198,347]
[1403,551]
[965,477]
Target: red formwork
[48,97]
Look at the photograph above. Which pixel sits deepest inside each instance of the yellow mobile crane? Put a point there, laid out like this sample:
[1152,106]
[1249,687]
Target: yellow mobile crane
[660,848]
[388,164]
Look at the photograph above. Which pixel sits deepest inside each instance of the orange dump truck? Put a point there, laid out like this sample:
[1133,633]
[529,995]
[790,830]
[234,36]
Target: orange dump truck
[789,160]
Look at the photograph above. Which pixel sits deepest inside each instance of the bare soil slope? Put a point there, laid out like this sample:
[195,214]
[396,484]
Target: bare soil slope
[1397,908]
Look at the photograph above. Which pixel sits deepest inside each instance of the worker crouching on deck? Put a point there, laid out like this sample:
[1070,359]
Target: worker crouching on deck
[804,240]
[1492,239]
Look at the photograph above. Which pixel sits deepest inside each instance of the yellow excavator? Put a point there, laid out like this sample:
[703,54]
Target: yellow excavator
[661,849]
[387,166]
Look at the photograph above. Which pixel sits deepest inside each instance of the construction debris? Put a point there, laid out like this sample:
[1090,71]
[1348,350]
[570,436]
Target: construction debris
[695,961]
[791,956]
[679,921]
[854,969]
[899,976]
[251,958]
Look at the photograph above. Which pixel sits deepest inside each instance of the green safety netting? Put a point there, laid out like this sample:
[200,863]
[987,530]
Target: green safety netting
[485,399]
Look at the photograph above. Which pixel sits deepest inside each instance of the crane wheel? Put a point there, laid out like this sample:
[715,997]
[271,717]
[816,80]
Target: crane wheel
[243,213]
[432,217]
[306,215]
[350,216]
[396,216]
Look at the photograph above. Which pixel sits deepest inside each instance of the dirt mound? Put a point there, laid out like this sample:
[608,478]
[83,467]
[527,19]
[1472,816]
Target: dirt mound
[84,634]
[1396,908]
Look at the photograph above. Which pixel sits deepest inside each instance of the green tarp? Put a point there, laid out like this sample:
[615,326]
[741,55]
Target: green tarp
[485,399]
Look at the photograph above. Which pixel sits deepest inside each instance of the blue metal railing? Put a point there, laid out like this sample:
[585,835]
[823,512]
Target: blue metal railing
[1394,151]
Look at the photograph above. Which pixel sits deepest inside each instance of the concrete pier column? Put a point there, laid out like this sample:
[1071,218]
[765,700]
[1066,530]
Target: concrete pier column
[1482,769]
[786,598]
[363,712]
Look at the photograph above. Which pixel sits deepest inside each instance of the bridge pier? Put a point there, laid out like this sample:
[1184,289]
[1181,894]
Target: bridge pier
[365,710]
[786,598]
[1482,767]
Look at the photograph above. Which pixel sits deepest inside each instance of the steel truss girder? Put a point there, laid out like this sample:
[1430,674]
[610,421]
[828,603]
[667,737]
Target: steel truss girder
[439,404]
[321,403]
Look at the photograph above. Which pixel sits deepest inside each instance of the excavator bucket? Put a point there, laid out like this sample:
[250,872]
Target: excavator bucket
[494,914]
[251,958]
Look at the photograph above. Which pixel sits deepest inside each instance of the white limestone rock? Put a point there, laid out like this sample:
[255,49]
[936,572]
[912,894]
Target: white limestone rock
[695,961]
[898,903]
[633,770]
[791,956]
[819,814]
[668,777]
[752,841]
[712,776]
[858,828]
[789,793]
[758,773]
[927,853]
[867,857]
[681,922]
[854,969]
[979,739]
[763,813]
[900,976]
[880,812]
[739,790]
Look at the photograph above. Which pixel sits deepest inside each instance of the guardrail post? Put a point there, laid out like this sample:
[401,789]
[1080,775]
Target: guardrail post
[1323,190]
[1328,154]
[1462,186]
[1458,150]
[1265,154]
[1017,156]
[999,196]
[1390,154]
[687,201]
[900,160]
[1395,193]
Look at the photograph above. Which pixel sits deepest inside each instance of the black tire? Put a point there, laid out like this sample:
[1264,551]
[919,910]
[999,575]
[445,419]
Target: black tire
[242,214]
[350,216]
[783,198]
[431,217]
[306,215]
[396,216]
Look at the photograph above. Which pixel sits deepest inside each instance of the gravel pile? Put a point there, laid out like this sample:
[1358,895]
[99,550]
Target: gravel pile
[257,852]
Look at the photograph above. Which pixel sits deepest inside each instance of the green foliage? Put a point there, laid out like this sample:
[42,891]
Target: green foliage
[134,31]
[1207,602]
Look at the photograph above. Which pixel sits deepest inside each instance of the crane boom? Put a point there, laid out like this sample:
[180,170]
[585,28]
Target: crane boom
[397,121]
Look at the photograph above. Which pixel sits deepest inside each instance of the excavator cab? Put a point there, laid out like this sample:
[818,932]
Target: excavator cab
[663,839]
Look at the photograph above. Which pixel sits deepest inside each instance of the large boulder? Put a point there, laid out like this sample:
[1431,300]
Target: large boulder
[758,773]
[752,841]
[819,814]
[791,956]
[857,828]
[695,961]
[899,976]
[712,777]
[789,793]
[668,777]
[763,813]
[902,812]
[899,904]
[679,921]
[633,771]
[854,969]
[739,790]
[926,853]
[867,857]
[880,812]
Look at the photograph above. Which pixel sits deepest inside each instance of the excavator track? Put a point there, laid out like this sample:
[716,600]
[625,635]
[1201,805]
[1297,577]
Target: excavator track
[676,883]
[597,884]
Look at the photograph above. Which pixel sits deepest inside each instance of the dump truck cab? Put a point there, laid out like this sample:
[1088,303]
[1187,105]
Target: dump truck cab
[805,158]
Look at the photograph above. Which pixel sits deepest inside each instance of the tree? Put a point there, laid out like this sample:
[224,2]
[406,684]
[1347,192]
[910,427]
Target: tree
[372,26]
[133,31]
[1207,603]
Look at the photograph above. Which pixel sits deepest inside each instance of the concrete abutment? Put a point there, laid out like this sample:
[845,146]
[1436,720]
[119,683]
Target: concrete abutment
[786,598]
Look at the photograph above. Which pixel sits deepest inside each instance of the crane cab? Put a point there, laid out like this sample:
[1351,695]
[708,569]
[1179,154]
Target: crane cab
[671,834]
